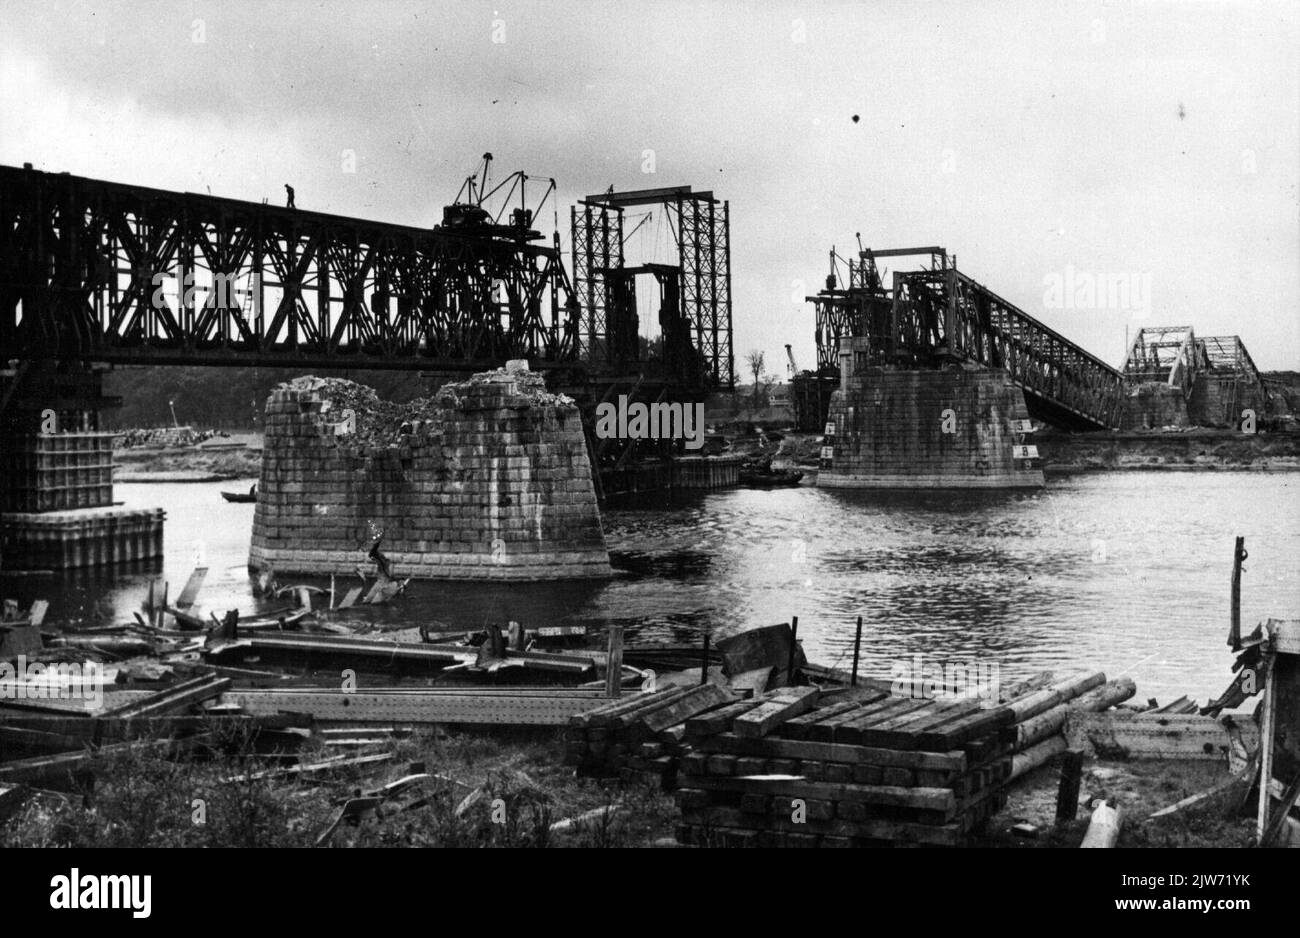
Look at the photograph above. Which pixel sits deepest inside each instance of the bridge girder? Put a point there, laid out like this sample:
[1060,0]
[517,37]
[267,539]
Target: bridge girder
[99,271]
[932,317]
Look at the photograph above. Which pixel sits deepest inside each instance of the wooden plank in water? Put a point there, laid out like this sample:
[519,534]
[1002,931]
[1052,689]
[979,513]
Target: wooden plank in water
[192,587]
[350,598]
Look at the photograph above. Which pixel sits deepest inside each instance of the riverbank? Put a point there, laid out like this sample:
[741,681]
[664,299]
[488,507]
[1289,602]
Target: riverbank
[215,460]
[1197,449]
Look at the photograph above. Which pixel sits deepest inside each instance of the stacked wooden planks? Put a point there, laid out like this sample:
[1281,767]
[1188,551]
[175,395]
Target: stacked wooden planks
[639,737]
[866,767]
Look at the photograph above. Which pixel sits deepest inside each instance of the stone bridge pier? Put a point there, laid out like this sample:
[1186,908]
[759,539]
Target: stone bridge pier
[953,428]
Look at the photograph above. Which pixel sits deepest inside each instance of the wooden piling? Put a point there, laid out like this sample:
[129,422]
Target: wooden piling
[614,663]
[857,650]
[1268,722]
[1238,555]
[789,665]
[1067,795]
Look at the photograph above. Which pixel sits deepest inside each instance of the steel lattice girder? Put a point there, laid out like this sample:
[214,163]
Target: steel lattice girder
[100,271]
[945,313]
[1171,354]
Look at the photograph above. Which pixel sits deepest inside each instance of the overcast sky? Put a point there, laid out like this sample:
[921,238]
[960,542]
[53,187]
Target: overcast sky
[1042,143]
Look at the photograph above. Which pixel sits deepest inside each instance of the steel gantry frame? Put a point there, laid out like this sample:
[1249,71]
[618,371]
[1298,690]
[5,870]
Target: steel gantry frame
[597,244]
[100,271]
[702,234]
[936,316]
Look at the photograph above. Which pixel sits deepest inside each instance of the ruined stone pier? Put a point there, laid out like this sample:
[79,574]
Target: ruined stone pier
[488,480]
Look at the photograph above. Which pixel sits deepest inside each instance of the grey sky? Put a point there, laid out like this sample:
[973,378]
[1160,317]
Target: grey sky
[1108,139]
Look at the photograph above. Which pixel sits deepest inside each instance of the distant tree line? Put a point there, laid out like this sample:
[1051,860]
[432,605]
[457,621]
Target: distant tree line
[230,398]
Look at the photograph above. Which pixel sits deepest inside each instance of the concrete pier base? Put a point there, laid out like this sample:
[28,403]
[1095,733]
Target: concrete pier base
[928,429]
[83,537]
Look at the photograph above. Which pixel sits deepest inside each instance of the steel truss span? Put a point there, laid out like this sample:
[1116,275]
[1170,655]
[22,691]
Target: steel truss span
[940,315]
[99,271]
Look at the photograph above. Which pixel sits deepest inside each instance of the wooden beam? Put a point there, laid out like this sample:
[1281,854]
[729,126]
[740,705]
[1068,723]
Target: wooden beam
[775,710]
[810,750]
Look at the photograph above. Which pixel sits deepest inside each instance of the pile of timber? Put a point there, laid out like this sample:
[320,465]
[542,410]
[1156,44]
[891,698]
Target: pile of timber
[639,738]
[867,767]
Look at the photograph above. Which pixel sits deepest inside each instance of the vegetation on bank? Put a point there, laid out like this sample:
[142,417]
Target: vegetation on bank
[505,790]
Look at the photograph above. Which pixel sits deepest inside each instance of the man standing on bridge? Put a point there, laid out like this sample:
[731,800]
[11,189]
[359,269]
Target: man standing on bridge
[289,189]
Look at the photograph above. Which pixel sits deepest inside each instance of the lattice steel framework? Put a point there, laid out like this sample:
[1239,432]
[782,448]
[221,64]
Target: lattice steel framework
[702,234]
[98,271]
[597,239]
[940,315]
[1227,354]
[704,244]
[1174,355]
[1168,354]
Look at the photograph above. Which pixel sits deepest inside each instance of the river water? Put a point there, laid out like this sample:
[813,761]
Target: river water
[1127,572]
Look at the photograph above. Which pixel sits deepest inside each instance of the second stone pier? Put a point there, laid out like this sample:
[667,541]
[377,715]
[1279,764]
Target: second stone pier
[959,427]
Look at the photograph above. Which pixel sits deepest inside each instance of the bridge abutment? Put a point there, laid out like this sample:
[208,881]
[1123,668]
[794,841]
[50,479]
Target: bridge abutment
[944,429]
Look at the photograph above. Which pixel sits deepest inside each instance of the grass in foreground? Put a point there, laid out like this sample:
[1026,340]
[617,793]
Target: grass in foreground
[488,791]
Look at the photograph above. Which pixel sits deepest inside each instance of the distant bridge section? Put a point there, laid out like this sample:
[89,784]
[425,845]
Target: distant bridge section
[937,315]
[99,271]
